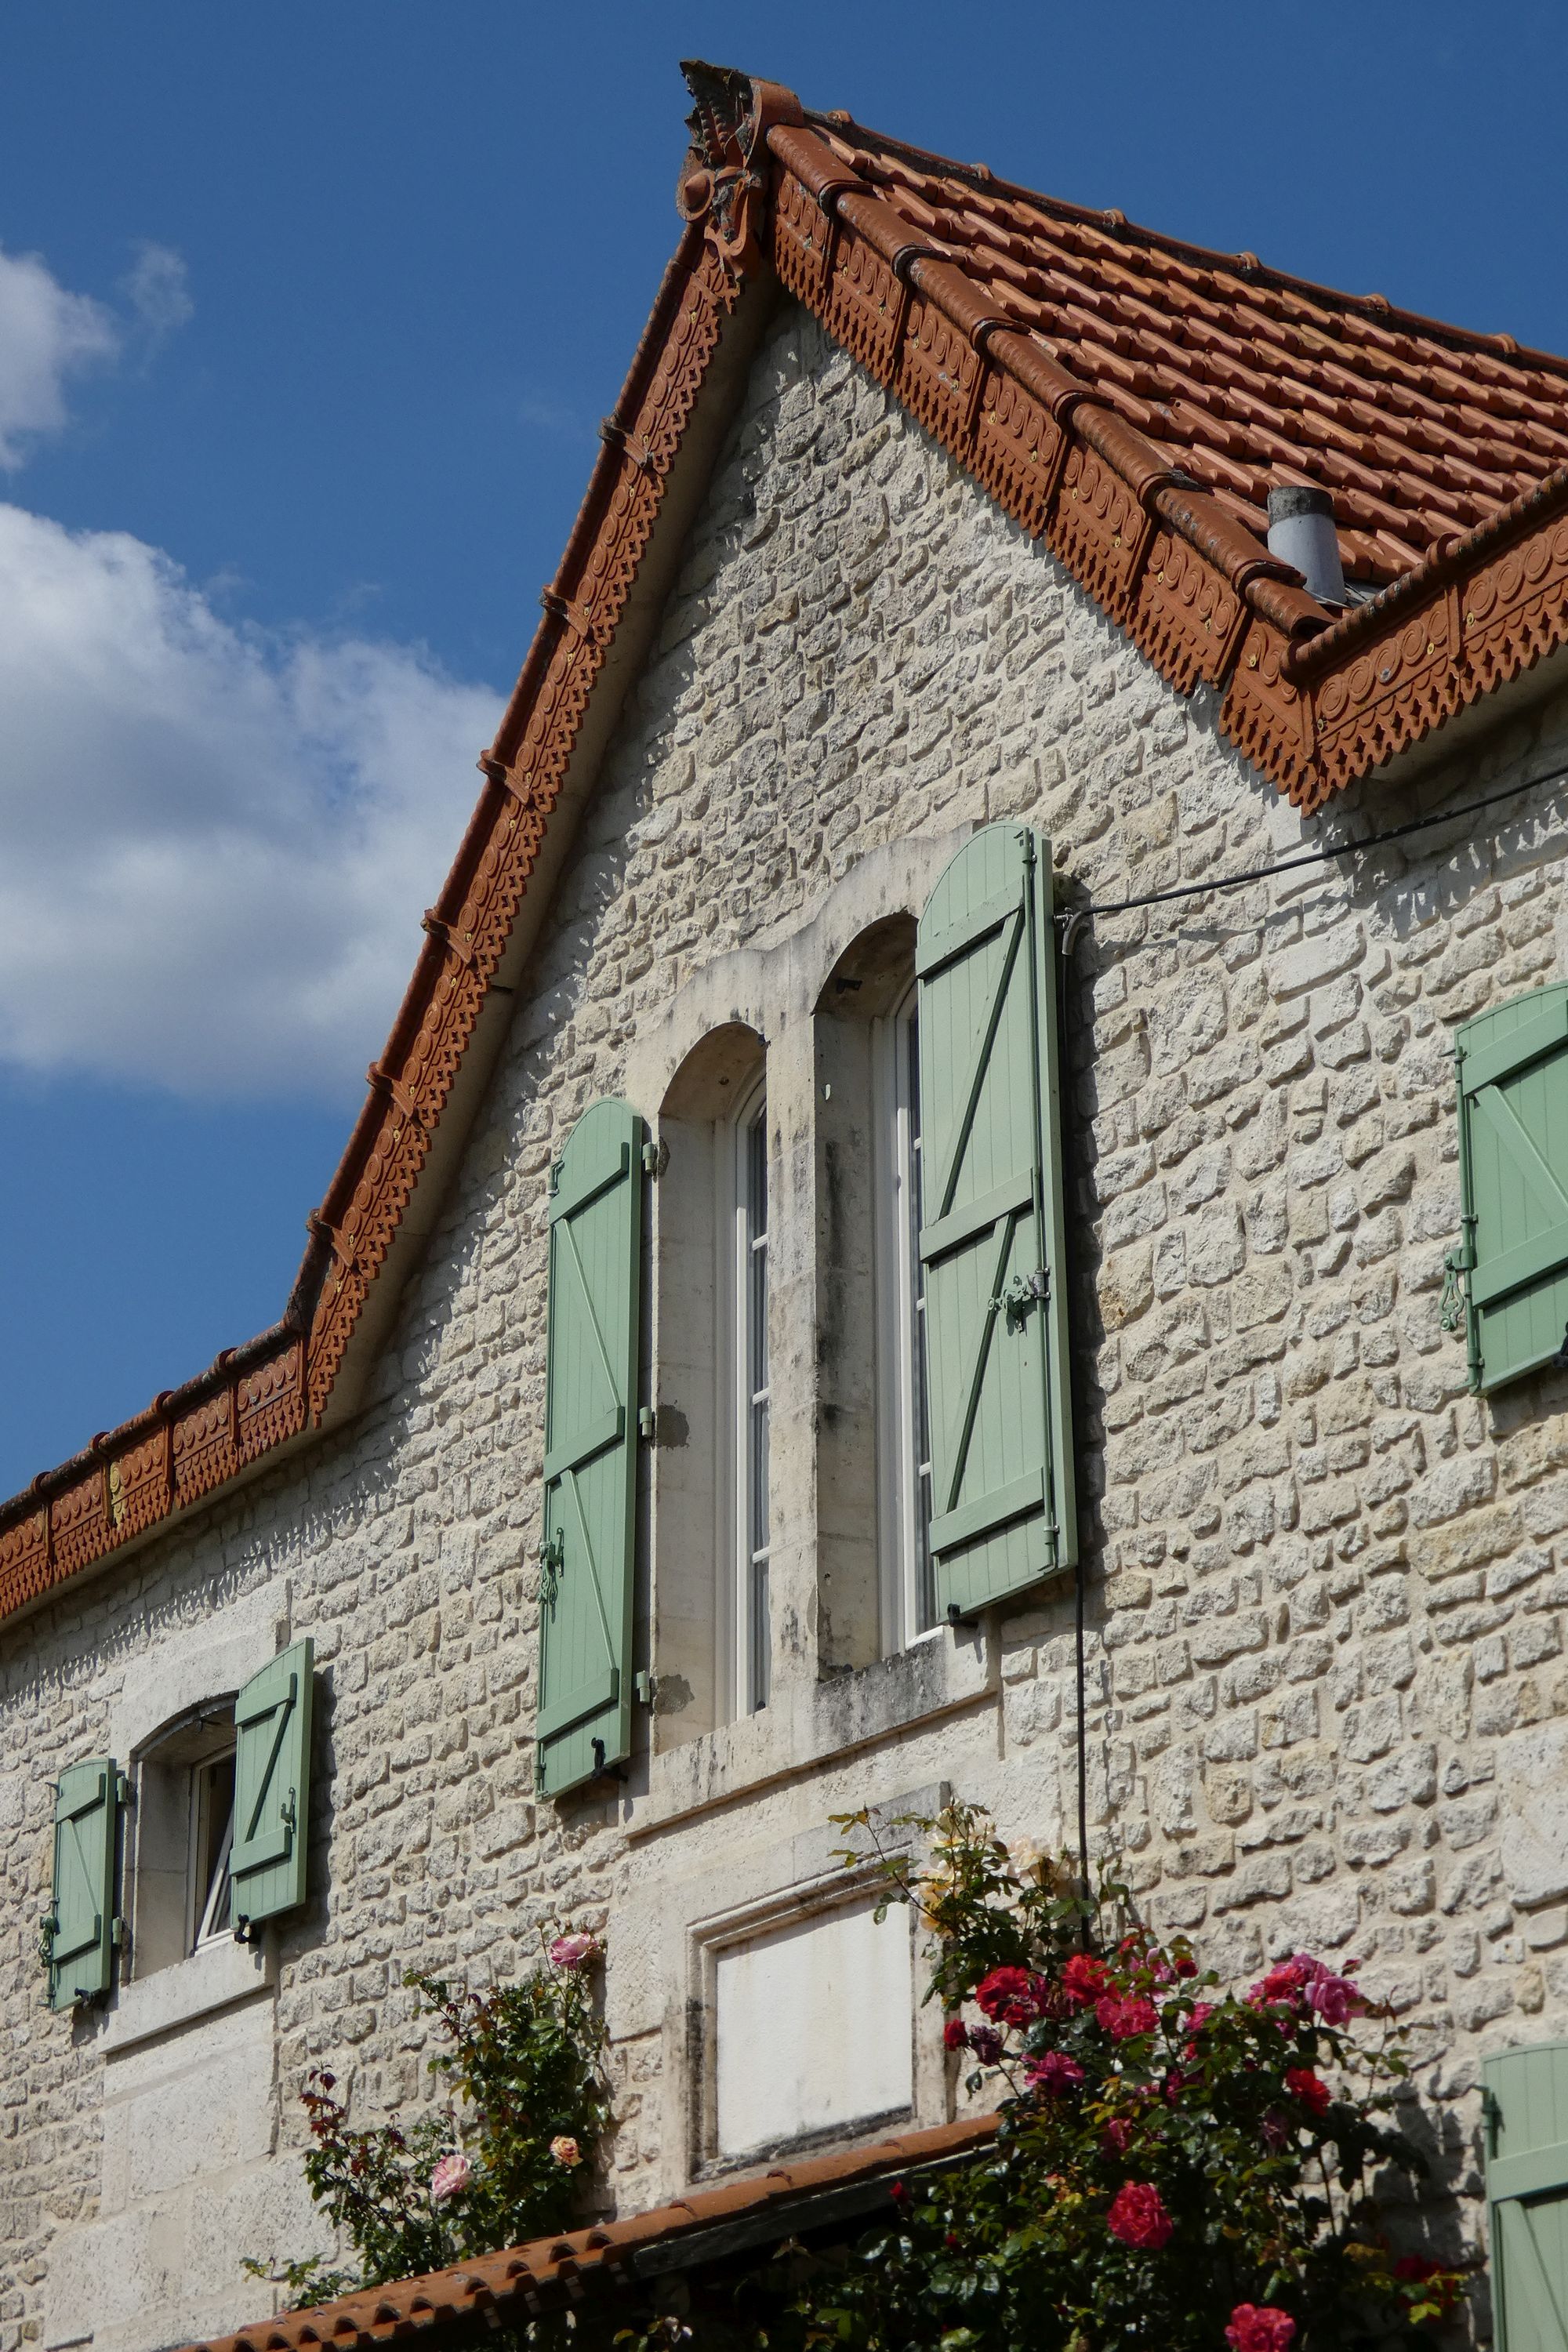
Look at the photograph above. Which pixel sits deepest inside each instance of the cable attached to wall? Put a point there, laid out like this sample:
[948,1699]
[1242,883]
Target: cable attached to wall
[1071,919]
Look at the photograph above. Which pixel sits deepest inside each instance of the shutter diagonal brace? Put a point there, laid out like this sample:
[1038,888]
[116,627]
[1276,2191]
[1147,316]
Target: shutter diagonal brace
[283,1710]
[610,1381]
[1542,2278]
[982,1357]
[1512,1134]
[571,1480]
[988,1039]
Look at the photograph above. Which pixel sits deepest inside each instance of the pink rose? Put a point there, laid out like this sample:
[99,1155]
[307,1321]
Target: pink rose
[1138,2216]
[573,1951]
[1260,2327]
[565,2150]
[450,2178]
[1053,2073]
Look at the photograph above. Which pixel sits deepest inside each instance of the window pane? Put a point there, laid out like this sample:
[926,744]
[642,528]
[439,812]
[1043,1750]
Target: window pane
[924,1579]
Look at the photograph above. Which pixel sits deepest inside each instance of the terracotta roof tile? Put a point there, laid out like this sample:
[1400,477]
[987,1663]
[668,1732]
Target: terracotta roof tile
[1133,307]
[549,2269]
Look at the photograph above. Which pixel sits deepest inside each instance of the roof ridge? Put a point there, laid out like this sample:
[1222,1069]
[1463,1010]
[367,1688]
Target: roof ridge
[1109,220]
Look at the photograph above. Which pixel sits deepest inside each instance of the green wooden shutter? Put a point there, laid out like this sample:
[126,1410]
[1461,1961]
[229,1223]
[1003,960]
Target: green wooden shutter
[82,1929]
[590,1449]
[1513,1167]
[991,1231]
[272,1788]
[1527,2195]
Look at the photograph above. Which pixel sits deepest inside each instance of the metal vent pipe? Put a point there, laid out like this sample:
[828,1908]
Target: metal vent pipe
[1301,531]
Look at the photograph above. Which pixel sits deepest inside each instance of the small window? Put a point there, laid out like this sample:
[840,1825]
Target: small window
[183,1832]
[753,1649]
[909,1583]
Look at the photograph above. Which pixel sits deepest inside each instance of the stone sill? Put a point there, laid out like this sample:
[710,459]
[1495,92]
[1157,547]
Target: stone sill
[212,1979]
[806,1725]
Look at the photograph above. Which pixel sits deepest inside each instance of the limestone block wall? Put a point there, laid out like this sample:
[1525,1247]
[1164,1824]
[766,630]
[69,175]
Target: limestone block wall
[1324,1696]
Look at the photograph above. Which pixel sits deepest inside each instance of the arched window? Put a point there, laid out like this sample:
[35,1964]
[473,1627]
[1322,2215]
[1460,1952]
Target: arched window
[711,1517]
[877,1585]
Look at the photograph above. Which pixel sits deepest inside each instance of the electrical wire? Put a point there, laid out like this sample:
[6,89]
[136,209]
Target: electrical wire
[1071,917]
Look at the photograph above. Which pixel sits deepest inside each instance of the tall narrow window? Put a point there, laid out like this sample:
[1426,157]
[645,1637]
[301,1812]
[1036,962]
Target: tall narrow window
[752,1632]
[909,1583]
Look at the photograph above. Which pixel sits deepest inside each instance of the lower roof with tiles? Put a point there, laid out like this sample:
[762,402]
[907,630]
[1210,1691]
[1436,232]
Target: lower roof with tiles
[752,2215]
[1129,399]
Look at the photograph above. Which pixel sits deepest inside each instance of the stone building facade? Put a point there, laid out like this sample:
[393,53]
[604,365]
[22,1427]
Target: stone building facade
[1324,1698]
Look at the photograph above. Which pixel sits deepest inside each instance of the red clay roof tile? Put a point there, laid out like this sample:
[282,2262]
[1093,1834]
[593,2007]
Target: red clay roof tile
[549,2269]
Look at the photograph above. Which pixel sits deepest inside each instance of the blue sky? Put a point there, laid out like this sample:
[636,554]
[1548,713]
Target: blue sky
[307,315]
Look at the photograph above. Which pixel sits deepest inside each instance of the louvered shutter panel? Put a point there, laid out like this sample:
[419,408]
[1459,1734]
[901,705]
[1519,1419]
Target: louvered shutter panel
[1527,2194]
[991,1231]
[272,1787]
[590,1450]
[82,1929]
[1513,1162]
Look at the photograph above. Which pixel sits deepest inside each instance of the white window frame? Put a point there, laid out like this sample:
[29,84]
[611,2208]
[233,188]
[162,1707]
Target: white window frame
[744,1501]
[908,1608]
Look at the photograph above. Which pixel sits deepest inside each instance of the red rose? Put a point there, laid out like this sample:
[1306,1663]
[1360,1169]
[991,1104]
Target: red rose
[1309,2088]
[1011,1996]
[1260,2327]
[1116,2136]
[986,2044]
[1185,1965]
[1084,1979]
[1123,2020]
[955,2034]
[1138,2216]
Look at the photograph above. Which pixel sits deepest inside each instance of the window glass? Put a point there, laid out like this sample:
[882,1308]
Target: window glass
[750,1357]
[212,1834]
[907,1575]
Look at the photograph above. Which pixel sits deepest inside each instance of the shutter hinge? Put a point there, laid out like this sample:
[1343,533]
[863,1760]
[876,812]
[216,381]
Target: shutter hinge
[643,1687]
[116,1932]
[553,1179]
[647,1421]
[654,1159]
[123,1795]
[48,1928]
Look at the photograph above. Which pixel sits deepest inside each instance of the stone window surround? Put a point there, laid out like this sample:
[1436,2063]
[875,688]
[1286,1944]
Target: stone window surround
[819,1708]
[684,1919]
[192,1666]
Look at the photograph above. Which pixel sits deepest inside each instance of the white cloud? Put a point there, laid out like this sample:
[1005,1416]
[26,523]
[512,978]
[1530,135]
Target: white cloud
[157,287]
[216,842]
[46,335]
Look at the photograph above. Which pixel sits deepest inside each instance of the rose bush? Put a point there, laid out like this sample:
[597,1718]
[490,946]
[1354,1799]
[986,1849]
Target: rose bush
[1176,2165]
[498,2163]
